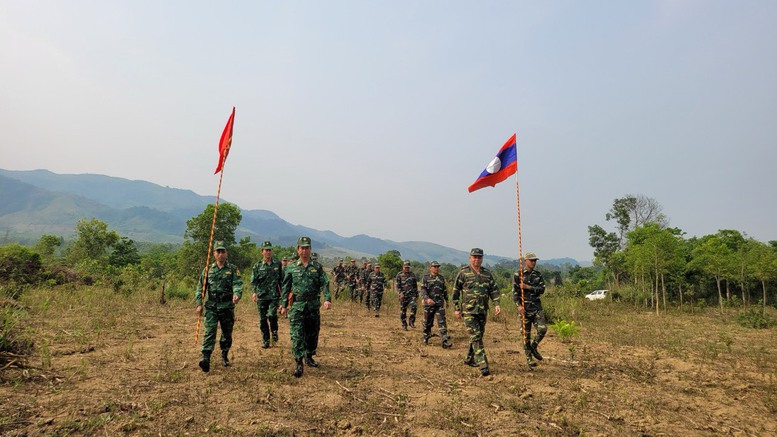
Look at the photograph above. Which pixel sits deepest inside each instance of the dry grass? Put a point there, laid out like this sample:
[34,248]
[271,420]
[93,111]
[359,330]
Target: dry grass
[108,364]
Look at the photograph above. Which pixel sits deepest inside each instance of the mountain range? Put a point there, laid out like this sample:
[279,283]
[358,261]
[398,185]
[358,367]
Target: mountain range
[39,202]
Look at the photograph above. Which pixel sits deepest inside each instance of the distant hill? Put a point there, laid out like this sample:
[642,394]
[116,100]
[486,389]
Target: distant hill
[39,201]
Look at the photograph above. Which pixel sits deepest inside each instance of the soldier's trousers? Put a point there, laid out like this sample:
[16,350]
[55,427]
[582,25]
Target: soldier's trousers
[536,318]
[429,313]
[268,318]
[476,326]
[377,299]
[367,298]
[214,317]
[304,325]
[339,286]
[353,292]
[408,302]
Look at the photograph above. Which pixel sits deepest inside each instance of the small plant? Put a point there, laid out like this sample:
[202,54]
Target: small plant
[565,330]
[755,319]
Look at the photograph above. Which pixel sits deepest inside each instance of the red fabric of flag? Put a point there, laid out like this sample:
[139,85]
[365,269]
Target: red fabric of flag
[226,141]
[500,168]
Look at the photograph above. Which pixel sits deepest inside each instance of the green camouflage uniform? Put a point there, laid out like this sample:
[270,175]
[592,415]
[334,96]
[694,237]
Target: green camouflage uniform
[433,287]
[266,283]
[219,309]
[532,305]
[305,285]
[351,279]
[364,294]
[338,273]
[471,292]
[376,283]
[407,286]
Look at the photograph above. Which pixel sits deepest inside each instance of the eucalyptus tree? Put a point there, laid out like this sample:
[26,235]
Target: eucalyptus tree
[713,257]
[658,251]
[764,266]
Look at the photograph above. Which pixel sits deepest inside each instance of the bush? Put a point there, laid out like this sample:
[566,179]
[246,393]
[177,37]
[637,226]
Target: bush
[753,318]
[565,330]
[19,264]
[180,289]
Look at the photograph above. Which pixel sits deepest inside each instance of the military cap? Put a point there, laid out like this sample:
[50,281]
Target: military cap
[285,258]
[377,265]
[341,260]
[530,255]
[219,245]
[435,264]
[314,256]
[476,252]
[406,264]
[303,242]
[267,245]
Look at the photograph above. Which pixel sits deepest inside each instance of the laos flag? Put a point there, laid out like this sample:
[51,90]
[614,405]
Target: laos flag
[500,168]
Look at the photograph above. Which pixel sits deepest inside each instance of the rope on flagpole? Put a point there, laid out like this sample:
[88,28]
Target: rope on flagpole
[207,258]
[520,260]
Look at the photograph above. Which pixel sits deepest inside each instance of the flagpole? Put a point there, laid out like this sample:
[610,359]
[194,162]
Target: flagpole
[520,259]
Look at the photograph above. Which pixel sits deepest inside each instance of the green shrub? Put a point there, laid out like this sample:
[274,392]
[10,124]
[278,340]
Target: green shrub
[19,264]
[180,289]
[754,318]
[565,330]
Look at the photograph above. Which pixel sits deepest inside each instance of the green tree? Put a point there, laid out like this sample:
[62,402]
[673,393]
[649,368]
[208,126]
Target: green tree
[764,266]
[391,263]
[124,253]
[605,247]
[656,251]
[19,265]
[192,256]
[47,245]
[713,257]
[93,239]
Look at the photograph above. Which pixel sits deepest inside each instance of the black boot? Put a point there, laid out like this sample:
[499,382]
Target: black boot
[412,322]
[275,337]
[300,368]
[484,371]
[529,360]
[534,351]
[446,344]
[225,358]
[470,361]
[205,362]
[265,344]
[426,338]
[404,325]
[310,361]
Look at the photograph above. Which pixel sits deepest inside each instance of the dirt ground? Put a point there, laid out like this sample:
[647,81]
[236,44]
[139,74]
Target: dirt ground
[112,365]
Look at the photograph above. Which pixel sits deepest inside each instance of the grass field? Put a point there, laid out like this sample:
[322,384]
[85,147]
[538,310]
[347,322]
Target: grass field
[105,363]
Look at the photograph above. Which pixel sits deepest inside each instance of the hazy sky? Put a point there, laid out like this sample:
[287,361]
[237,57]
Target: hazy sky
[373,117]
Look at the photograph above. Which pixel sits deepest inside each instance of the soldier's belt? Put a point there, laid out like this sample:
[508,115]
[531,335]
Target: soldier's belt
[221,298]
[306,298]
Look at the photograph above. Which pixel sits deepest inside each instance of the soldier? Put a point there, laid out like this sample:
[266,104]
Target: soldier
[224,288]
[266,277]
[338,274]
[434,297]
[303,283]
[284,262]
[352,279]
[407,287]
[530,306]
[473,287]
[376,283]
[364,275]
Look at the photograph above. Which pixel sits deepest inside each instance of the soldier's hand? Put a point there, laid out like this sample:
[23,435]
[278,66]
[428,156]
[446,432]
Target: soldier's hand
[457,313]
[235,298]
[199,310]
[327,304]
[521,311]
[253,296]
[497,310]
[282,310]
[430,302]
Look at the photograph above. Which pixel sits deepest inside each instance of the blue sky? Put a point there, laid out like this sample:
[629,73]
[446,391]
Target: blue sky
[373,117]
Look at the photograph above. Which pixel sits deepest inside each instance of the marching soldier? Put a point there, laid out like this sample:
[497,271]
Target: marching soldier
[472,289]
[434,297]
[376,283]
[407,287]
[351,279]
[224,288]
[338,273]
[266,277]
[530,306]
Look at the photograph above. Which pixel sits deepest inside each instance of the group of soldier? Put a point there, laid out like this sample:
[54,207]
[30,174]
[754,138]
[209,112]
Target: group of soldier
[293,288]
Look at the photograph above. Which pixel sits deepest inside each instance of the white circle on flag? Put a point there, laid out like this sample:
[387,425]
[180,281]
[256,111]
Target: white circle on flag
[494,165]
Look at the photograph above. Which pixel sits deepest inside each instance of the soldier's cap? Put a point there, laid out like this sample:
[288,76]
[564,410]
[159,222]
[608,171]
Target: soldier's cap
[406,264]
[266,245]
[435,264]
[353,260]
[314,255]
[285,258]
[219,245]
[341,260]
[377,266]
[530,255]
[476,252]
[303,242]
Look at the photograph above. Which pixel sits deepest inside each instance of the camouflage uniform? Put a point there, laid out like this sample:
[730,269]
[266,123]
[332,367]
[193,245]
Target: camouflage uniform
[222,284]
[266,281]
[471,292]
[305,285]
[364,276]
[351,279]
[433,287]
[532,307]
[376,283]
[407,286]
[339,277]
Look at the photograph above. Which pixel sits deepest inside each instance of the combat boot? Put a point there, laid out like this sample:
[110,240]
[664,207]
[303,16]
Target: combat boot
[534,351]
[265,344]
[529,360]
[275,337]
[446,344]
[412,322]
[404,325]
[484,371]
[205,362]
[426,338]
[225,358]
[470,361]
[300,368]
[310,361]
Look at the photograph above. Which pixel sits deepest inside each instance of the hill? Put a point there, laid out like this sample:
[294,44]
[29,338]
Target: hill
[39,201]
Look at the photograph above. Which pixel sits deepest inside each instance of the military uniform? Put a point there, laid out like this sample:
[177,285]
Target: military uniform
[471,292]
[221,285]
[376,283]
[532,307]
[407,286]
[351,279]
[266,281]
[303,286]
[338,272]
[364,276]
[433,287]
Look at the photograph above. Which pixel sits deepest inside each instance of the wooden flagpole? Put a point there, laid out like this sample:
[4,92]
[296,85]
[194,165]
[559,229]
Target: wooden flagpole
[520,259]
